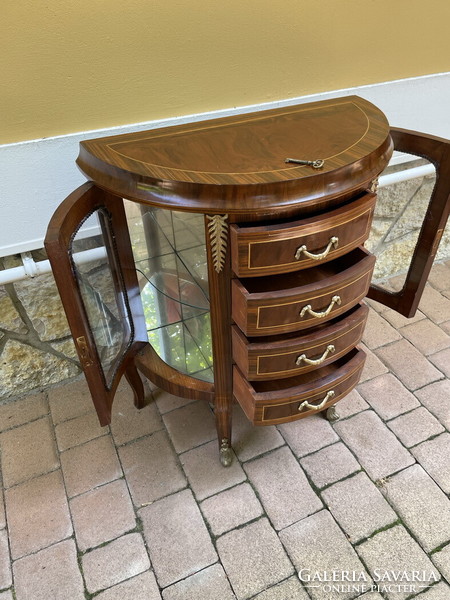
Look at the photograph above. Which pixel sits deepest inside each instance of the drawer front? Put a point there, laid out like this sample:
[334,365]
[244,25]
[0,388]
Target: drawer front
[284,405]
[272,249]
[291,356]
[282,311]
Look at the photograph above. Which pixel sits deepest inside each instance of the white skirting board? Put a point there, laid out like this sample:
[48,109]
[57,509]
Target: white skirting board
[36,175]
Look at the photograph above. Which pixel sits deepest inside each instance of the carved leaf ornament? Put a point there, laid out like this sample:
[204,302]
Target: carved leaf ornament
[218,232]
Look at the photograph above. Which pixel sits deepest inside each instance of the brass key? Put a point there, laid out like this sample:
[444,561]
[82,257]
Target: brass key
[315,164]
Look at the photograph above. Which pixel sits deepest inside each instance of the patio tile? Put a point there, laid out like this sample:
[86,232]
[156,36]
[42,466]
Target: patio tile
[436,398]
[102,514]
[88,466]
[27,451]
[70,401]
[377,448]
[308,435]
[427,337]
[415,427]
[6,595]
[167,402]
[38,514]
[191,425]
[446,326]
[373,365]
[50,573]
[280,482]
[442,560]
[231,508]
[388,396]
[209,584]
[439,277]
[117,561]
[249,441]
[78,431]
[141,587]
[127,422]
[318,544]
[398,321]
[421,504]
[441,360]
[440,591]
[358,507]
[330,464]
[23,411]
[395,550]
[177,538]
[151,468]
[205,473]
[5,561]
[253,558]
[291,589]
[378,331]
[401,356]
[352,404]
[2,512]
[434,458]
[435,305]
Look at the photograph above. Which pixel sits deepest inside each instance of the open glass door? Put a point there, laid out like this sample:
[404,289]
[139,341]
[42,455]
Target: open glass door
[89,248]
[436,151]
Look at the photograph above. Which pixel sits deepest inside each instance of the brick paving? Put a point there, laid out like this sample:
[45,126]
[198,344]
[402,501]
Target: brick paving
[142,510]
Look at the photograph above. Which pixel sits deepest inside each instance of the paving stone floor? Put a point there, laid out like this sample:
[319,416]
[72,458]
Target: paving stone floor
[142,510]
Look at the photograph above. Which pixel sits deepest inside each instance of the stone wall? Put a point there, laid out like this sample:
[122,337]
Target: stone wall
[35,345]
[36,349]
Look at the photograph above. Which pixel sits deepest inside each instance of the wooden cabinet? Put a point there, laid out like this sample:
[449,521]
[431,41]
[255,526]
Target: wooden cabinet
[239,272]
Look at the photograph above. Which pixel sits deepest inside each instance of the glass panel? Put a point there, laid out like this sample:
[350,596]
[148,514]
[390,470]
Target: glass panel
[102,291]
[405,190]
[170,256]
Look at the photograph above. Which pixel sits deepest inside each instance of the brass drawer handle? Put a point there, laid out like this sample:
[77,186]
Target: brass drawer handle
[333,243]
[320,315]
[315,361]
[307,405]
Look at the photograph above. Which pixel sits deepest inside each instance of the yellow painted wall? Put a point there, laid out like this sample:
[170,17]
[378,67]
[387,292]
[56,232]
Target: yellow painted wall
[74,65]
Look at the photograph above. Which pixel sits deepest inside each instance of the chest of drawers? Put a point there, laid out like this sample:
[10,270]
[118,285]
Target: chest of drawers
[243,241]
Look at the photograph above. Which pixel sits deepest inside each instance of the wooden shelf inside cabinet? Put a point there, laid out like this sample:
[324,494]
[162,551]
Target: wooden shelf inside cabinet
[229,241]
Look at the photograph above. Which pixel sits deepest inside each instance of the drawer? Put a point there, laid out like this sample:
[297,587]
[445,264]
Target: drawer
[291,354]
[295,301]
[283,400]
[272,249]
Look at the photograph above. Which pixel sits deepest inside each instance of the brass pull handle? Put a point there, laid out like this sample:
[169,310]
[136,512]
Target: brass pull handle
[307,405]
[315,361]
[333,243]
[319,315]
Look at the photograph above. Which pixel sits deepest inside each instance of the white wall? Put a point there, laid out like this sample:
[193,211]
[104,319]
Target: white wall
[35,176]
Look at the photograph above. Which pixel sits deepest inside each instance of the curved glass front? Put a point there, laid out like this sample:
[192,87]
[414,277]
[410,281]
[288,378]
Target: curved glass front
[170,256]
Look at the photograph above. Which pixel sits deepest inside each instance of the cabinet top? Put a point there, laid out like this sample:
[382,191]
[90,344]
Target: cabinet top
[238,164]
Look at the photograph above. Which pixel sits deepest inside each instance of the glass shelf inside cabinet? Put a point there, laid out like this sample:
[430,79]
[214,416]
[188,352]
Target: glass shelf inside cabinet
[170,256]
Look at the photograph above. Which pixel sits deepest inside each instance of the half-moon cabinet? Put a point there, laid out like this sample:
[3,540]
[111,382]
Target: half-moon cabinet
[224,260]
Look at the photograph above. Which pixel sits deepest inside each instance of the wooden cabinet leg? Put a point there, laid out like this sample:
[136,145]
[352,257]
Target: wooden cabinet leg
[219,276]
[135,381]
[222,410]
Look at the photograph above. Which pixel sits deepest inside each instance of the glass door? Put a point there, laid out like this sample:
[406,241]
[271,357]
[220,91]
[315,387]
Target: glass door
[436,151]
[90,252]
